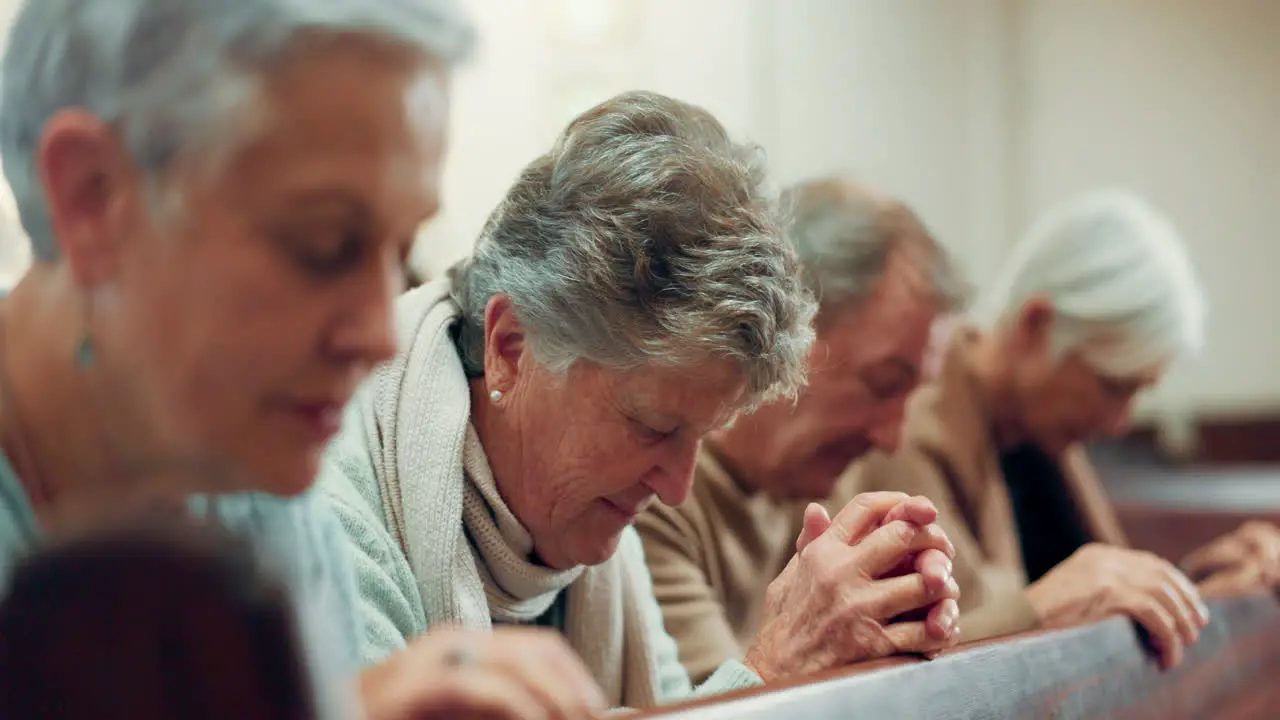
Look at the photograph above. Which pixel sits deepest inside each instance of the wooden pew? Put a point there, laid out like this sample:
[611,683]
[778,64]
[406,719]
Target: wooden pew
[1096,671]
[1172,512]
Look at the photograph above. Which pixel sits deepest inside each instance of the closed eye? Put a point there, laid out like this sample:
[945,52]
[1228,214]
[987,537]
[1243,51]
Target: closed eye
[327,259]
[648,433]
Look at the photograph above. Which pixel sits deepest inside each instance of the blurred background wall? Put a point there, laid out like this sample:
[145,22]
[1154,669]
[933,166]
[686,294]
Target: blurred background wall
[980,113]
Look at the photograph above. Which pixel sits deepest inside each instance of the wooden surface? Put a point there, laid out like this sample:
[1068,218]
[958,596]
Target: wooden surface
[1224,440]
[1174,512]
[1097,671]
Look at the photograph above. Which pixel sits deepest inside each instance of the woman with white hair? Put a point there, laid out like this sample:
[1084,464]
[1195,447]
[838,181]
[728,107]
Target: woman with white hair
[1092,308]
[632,292]
[220,195]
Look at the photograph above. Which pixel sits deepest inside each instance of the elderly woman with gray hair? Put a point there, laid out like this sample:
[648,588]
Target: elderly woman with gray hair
[631,293]
[1092,308]
[217,246]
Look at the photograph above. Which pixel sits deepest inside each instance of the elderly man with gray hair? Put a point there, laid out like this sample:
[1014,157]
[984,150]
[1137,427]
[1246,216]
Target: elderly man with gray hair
[1093,306]
[881,280]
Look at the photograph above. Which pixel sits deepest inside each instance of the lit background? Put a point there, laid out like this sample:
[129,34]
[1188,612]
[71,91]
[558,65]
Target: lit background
[980,113]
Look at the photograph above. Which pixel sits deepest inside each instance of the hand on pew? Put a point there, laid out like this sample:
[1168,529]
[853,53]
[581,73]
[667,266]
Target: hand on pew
[510,673]
[1102,580]
[1239,562]
[881,558]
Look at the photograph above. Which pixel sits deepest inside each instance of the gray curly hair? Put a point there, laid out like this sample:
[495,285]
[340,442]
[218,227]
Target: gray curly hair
[645,236]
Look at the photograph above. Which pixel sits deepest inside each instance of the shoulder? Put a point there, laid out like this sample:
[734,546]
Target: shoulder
[19,531]
[302,540]
[300,536]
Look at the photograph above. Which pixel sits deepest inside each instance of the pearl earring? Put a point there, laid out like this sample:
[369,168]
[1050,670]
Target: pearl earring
[495,396]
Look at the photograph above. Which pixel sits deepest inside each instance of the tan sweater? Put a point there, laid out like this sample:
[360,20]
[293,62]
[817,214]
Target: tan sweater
[712,559]
[948,455]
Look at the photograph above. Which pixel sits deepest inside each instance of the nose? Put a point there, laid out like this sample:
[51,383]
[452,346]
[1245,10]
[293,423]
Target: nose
[366,335]
[886,437]
[886,433]
[672,480]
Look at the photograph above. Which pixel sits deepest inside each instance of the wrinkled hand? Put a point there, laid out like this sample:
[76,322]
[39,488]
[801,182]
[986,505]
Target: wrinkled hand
[1241,561]
[506,674]
[836,601]
[1102,580]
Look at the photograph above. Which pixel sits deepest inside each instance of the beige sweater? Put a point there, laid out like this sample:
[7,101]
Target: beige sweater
[948,455]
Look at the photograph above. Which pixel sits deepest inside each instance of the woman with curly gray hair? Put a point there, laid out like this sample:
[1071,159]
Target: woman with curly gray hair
[632,292]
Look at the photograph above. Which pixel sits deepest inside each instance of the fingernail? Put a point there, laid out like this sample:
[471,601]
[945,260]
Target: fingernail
[950,568]
[946,622]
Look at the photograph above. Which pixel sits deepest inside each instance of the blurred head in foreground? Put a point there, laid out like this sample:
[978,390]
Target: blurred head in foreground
[156,621]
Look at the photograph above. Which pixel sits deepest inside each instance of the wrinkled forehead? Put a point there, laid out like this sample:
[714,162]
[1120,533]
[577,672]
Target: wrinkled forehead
[893,324]
[349,120]
[400,93]
[703,395]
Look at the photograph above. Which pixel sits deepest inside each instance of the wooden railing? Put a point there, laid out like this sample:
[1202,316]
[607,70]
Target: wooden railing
[1096,671]
[1174,512]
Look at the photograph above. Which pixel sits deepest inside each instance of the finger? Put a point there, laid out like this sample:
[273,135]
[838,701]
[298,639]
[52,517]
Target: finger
[863,514]
[914,637]
[1151,615]
[534,664]
[918,509]
[471,692]
[1263,540]
[1187,592]
[943,619]
[1236,581]
[1184,616]
[816,522]
[935,567]
[570,669]
[882,600]
[1214,557]
[885,548]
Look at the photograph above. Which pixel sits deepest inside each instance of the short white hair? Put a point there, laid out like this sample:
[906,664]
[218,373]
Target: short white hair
[170,75]
[1111,265]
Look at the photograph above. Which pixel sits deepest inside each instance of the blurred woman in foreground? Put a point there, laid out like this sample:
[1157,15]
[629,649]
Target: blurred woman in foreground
[217,244]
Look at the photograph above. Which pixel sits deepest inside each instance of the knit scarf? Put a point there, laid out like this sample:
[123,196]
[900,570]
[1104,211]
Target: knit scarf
[469,553]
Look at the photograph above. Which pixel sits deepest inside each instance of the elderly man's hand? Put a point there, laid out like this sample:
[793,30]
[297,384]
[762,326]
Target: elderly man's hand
[1241,561]
[836,602]
[507,674]
[1098,581]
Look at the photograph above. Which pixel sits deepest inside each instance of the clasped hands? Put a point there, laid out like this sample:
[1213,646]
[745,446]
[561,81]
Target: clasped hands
[874,581]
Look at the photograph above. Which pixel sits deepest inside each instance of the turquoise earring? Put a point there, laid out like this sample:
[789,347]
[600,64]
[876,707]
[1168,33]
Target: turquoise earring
[85,354]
